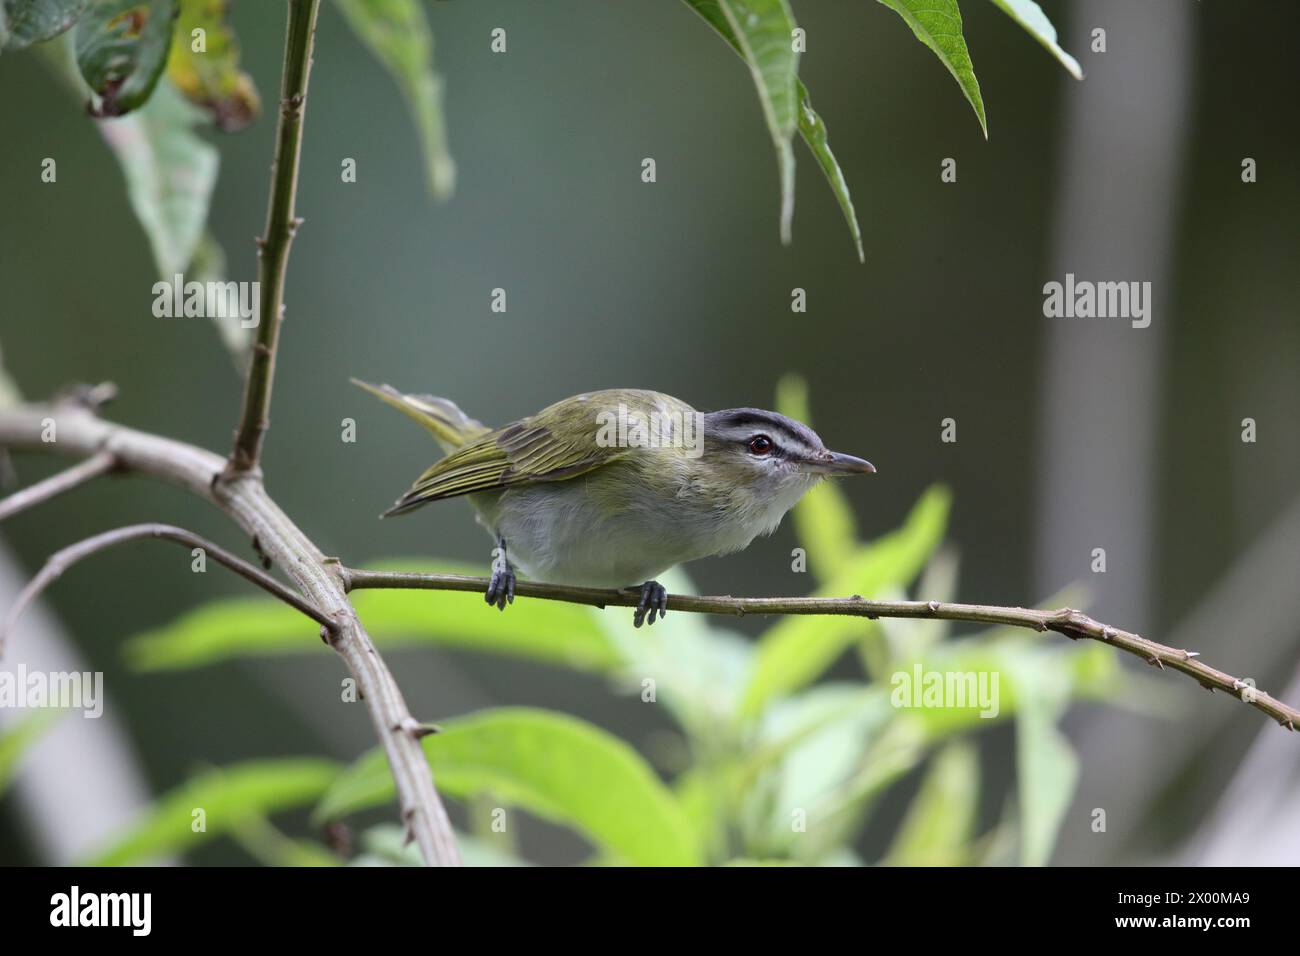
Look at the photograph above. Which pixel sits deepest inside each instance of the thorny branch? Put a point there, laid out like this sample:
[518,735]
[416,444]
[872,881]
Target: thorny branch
[281,225]
[74,430]
[1073,624]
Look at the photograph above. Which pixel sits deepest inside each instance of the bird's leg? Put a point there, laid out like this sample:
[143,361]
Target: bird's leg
[501,589]
[654,600]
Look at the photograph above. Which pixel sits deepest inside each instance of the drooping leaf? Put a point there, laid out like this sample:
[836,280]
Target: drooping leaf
[555,766]
[940,822]
[122,47]
[24,22]
[18,738]
[762,32]
[811,126]
[1030,16]
[398,34]
[937,24]
[228,797]
[816,136]
[204,64]
[823,520]
[795,651]
[170,174]
[552,632]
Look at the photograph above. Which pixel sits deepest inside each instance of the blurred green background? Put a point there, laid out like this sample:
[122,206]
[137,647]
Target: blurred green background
[1072,434]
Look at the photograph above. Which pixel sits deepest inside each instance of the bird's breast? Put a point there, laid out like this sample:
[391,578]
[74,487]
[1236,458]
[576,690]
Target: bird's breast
[594,531]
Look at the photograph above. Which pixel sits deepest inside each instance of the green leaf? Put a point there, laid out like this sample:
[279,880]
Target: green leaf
[937,24]
[557,767]
[835,820]
[122,47]
[810,124]
[1047,768]
[816,735]
[1020,663]
[18,738]
[229,797]
[1030,16]
[837,746]
[552,632]
[941,819]
[823,520]
[761,31]
[266,844]
[699,668]
[398,34]
[905,638]
[24,22]
[798,649]
[815,135]
[170,174]
[809,745]
[211,77]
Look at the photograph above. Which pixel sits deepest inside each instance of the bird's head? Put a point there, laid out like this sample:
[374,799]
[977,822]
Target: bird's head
[776,458]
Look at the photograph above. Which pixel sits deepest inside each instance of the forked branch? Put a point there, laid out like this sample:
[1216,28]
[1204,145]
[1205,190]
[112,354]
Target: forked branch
[79,433]
[61,560]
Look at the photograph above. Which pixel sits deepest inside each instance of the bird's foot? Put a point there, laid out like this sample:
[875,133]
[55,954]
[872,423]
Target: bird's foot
[501,588]
[654,601]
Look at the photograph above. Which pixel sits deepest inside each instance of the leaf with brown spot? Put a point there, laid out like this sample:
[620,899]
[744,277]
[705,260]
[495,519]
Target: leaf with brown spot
[122,48]
[211,78]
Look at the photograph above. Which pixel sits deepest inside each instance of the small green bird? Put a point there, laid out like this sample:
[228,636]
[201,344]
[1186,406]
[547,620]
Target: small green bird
[610,488]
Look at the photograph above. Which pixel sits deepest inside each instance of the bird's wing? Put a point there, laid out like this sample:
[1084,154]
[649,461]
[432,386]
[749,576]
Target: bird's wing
[528,451]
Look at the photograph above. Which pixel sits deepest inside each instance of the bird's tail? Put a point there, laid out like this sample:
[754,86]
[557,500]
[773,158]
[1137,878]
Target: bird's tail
[449,425]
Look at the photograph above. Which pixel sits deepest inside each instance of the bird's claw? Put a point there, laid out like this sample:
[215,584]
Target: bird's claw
[654,601]
[501,589]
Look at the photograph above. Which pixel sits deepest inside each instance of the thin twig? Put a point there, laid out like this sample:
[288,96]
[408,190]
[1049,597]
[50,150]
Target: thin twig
[1073,624]
[281,225]
[55,485]
[65,558]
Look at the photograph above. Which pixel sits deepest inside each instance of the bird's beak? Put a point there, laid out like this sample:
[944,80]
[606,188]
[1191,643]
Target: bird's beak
[835,463]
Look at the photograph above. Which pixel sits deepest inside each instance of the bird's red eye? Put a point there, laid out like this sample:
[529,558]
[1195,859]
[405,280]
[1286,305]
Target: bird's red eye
[760,445]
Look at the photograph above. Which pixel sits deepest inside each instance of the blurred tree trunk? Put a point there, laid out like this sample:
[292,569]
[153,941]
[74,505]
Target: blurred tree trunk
[66,814]
[1124,134]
